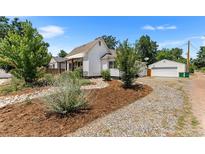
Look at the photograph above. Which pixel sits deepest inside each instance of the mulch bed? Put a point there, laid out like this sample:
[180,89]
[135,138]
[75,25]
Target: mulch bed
[33,119]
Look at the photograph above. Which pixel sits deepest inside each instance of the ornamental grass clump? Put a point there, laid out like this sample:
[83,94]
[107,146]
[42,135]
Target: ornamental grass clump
[68,97]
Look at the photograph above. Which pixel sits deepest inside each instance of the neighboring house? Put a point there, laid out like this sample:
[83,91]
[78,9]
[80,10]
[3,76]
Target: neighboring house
[166,68]
[57,63]
[94,57]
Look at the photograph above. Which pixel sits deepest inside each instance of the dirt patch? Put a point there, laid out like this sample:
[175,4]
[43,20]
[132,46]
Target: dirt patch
[196,91]
[32,119]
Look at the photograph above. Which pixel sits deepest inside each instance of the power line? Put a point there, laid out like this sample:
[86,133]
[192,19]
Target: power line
[193,46]
[182,45]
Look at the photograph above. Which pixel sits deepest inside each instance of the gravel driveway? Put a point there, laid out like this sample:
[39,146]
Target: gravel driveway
[154,115]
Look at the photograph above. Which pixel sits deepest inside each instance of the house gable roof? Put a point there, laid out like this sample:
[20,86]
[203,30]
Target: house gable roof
[59,59]
[83,49]
[110,55]
[166,60]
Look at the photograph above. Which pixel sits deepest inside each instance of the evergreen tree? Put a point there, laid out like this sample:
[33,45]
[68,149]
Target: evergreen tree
[127,62]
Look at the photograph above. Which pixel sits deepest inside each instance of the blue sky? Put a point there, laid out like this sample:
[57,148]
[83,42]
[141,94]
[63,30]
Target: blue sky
[69,32]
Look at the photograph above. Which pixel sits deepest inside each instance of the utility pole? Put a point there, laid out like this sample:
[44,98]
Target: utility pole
[188,57]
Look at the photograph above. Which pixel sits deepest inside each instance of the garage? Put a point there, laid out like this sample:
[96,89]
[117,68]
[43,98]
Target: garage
[166,68]
[164,71]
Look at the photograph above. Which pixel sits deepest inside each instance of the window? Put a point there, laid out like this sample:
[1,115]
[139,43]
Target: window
[80,64]
[99,43]
[112,64]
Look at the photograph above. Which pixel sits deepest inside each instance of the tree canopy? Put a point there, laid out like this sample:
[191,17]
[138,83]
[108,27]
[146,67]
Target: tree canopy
[199,62]
[5,26]
[25,51]
[62,53]
[111,41]
[171,54]
[146,49]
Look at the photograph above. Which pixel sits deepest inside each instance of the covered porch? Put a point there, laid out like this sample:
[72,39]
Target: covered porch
[74,63]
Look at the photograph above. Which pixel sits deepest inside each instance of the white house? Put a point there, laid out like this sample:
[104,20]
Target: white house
[57,63]
[93,57]
[166,68]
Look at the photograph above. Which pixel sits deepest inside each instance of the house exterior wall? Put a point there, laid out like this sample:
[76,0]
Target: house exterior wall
[53,64]
[114,72]
[143,71]
[63,65]
[94,58]
[167,68]
[104,64]
[85,66]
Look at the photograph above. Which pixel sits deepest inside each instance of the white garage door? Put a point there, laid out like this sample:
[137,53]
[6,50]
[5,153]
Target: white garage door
[164,71]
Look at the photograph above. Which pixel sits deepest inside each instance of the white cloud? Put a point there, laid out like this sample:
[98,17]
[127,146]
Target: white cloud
[51,31]
[148,27]
[171,43]
[182,41]
[55,48]
[202,38]
[160,27]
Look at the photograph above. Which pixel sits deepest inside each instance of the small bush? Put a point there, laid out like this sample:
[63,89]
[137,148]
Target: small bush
[203,69]
[78,72]
[68,96]
[17,84]
[14,85]
[85,82]
[106,75]
[46,80]
[191,69]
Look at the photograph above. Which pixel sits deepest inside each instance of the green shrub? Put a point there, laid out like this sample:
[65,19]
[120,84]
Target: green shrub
[85,82]
[68,97]
[78,72]
[191,69]
[46,80]
[203,69]
[128,63]
[17,84]
[14,85]
[106,75]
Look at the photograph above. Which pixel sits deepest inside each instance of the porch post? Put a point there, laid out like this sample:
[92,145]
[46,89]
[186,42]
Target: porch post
[66,67]
[60,67]
[72,65]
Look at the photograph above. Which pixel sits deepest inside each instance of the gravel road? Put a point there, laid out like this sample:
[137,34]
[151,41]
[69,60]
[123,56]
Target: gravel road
[153,115]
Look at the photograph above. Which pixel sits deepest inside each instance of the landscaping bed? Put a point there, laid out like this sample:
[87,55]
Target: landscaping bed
[34,119]
[25,90]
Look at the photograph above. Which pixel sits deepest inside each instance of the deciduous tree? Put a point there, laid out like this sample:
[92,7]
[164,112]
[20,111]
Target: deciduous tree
[26,52]
[62,53]
[111,41]
[147,49]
